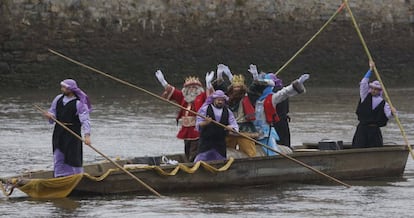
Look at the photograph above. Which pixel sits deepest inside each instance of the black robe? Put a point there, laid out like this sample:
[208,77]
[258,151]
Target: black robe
[368,133]
[213,135]
[63,140]
[282,127]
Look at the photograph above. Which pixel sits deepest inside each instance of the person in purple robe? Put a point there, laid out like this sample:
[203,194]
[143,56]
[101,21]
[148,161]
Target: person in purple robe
[372,111]
[71,108]
[212,144]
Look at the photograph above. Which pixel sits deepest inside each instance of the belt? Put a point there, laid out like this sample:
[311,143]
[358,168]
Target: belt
[188,121]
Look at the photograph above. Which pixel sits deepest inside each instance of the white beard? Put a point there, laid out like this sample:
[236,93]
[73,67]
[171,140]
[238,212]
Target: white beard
[190,94]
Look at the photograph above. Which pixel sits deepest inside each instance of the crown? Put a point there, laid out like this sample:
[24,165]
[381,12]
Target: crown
[192,80]
[238,80]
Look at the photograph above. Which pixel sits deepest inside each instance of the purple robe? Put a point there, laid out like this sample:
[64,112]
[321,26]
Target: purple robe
[209,155]
[60,168]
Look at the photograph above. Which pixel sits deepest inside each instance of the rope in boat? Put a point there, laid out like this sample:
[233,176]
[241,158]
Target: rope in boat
[62,186]
[187,169]
[387,97]
[311,39]
[159,170]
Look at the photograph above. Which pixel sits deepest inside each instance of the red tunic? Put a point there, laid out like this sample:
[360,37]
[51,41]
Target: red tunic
[248,109]
[270,110]
[188,130]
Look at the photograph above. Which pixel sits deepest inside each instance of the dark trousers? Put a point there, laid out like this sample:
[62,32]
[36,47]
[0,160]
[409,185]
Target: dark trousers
[282,129]
[191,149]
[367,136]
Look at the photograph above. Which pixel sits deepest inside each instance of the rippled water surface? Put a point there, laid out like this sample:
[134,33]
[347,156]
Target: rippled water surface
[127,123]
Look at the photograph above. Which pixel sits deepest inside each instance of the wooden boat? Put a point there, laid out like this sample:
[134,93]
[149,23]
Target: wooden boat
[346,164]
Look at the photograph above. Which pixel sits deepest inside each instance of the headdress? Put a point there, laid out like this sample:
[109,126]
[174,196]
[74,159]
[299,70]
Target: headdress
[238,80]
[73,87]
[219,94]
[191,81]
[278,82]
[375,84]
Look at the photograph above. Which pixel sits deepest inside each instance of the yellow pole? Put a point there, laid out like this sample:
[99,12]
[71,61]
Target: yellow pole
[103,155]
[387,98]
[311,39]
[193,112]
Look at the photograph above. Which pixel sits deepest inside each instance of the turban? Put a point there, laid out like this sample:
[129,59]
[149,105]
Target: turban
[73,87]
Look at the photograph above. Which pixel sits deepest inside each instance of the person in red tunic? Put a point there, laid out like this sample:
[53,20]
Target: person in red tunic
[192,97]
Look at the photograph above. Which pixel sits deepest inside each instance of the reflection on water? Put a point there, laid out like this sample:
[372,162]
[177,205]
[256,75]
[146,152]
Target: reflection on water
[126,123]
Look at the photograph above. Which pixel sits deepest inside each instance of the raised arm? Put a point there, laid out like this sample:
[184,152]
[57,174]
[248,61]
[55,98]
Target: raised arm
[291,90]
[209,86]
[253,70]
[221,68]
[364,84]
[161,78]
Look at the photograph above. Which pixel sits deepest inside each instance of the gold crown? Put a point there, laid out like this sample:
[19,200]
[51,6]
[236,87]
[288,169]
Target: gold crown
[192,80]
[238,80]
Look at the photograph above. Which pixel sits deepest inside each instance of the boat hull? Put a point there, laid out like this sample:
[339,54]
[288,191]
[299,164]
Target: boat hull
[350,164]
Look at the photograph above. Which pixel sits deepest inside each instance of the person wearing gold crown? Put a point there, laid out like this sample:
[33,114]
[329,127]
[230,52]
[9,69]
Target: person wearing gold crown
[242,107]
[192,97]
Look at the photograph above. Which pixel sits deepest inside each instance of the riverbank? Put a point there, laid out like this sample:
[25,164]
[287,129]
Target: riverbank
[190,38]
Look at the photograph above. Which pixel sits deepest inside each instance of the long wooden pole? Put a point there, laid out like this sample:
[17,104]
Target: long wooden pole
[193,112]
[311,39]
[103,155]
[387,97]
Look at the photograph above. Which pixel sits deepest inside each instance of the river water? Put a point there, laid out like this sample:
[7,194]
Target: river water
[127,123]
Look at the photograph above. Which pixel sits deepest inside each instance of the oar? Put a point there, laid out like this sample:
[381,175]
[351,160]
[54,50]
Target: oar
[311,39]
[387,97]
[193,112]
[103,155]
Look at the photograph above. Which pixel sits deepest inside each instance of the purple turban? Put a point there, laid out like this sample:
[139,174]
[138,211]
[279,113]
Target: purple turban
[73,87]
[375,85]
[219,94]
[278,82]
[216,94]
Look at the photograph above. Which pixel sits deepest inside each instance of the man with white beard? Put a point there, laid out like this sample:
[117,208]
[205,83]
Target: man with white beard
[191,97]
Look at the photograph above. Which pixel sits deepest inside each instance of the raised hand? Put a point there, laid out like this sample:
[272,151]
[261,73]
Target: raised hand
[161,78]
[303,78]
[253,71]
[226,70]
[371,65]
[209,79]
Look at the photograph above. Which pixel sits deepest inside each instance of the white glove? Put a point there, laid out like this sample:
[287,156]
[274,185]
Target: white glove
[160,78]
[219,72]
[303,78]
[253,71]
[226,70]
[209,78]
